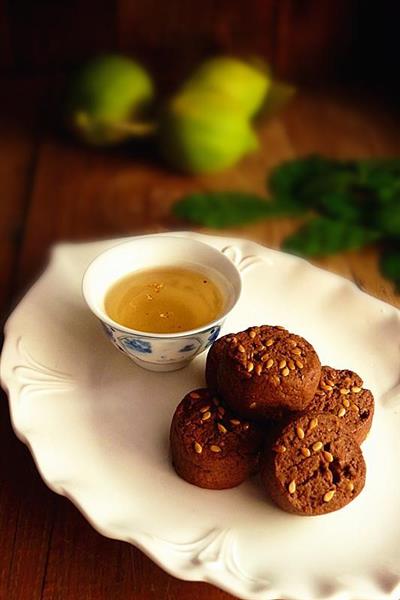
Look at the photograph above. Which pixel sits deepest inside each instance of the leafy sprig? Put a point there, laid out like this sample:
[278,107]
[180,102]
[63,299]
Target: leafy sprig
[348,204]
[227,209]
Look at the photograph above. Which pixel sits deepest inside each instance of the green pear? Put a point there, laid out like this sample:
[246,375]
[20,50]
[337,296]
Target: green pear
[246,83]
[107,99]
[203,131]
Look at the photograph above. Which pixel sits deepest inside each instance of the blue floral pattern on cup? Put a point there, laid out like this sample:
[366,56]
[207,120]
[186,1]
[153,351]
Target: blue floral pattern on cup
[187,348]
[213,334]
[136,344]
[162,353]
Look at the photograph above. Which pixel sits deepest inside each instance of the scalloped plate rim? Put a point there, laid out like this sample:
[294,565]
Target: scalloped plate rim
[143,541]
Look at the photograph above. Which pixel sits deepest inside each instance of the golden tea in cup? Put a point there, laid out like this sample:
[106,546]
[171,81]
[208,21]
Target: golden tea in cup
[167,299]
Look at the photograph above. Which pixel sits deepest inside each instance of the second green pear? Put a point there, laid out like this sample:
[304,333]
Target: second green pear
[204,131]
[245,83]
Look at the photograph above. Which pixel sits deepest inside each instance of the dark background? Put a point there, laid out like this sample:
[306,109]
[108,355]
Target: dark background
[305,40]
[344,57]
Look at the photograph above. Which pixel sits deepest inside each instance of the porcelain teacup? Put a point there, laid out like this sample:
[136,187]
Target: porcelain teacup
[159,351]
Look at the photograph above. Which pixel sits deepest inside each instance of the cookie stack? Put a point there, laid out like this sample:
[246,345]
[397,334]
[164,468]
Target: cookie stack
[270,406]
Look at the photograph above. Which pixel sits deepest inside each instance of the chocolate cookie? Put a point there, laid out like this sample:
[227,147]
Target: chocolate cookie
[210,446]
[340,392]
[214,356]
[314,467]
[264,372]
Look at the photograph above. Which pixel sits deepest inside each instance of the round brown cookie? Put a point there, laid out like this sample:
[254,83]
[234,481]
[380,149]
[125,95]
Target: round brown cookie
[315,466]
[210,446]
[340,392]
[213,358]
[264,372]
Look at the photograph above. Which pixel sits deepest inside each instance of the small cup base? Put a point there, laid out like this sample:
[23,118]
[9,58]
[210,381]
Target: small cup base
[160,367]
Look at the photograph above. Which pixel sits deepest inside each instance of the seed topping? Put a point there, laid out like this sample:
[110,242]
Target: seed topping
[329,495]
[234,421]
[269,342]
[215,448]
[328,456]
[356,389]
[250,367]
[252,334]
[253,404]
[292,487]
[206,416]
[344,391]
[296,351]
[285,372]
[241,348]
[342,412]
[313,424]
[291,364]
[317,446]
[282,364]
[221,428]
[194,395]
[258,369]
[270,362]
[300,433]
[205,408]
[280,449]
[305,452]
[346,403]
[198,448]
[350,486]
[299,364]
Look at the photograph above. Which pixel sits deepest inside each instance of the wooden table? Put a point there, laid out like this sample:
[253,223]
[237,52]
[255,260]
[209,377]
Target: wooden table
[53,190]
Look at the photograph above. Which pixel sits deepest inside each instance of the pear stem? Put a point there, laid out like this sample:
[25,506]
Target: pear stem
[136,128]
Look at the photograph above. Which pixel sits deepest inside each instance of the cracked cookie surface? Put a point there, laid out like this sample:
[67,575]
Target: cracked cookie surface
[314,466]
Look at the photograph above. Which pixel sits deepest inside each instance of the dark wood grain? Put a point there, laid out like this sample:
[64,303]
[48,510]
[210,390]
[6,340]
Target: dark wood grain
[19,122]
[50,35]
[301,39]
[182,33]
[55,190]
[18,144]
[312,38]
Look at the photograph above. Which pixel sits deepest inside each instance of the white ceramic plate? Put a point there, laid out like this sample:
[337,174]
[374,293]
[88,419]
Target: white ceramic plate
[97,426]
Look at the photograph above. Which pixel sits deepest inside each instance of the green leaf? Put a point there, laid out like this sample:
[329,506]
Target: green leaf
[387,218]
[379,173]
[340,205]
[360,191]
[322,237]
[227,209]
[289,181]
[390,264]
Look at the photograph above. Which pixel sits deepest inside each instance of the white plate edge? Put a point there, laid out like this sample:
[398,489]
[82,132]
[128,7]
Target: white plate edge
[148,543]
